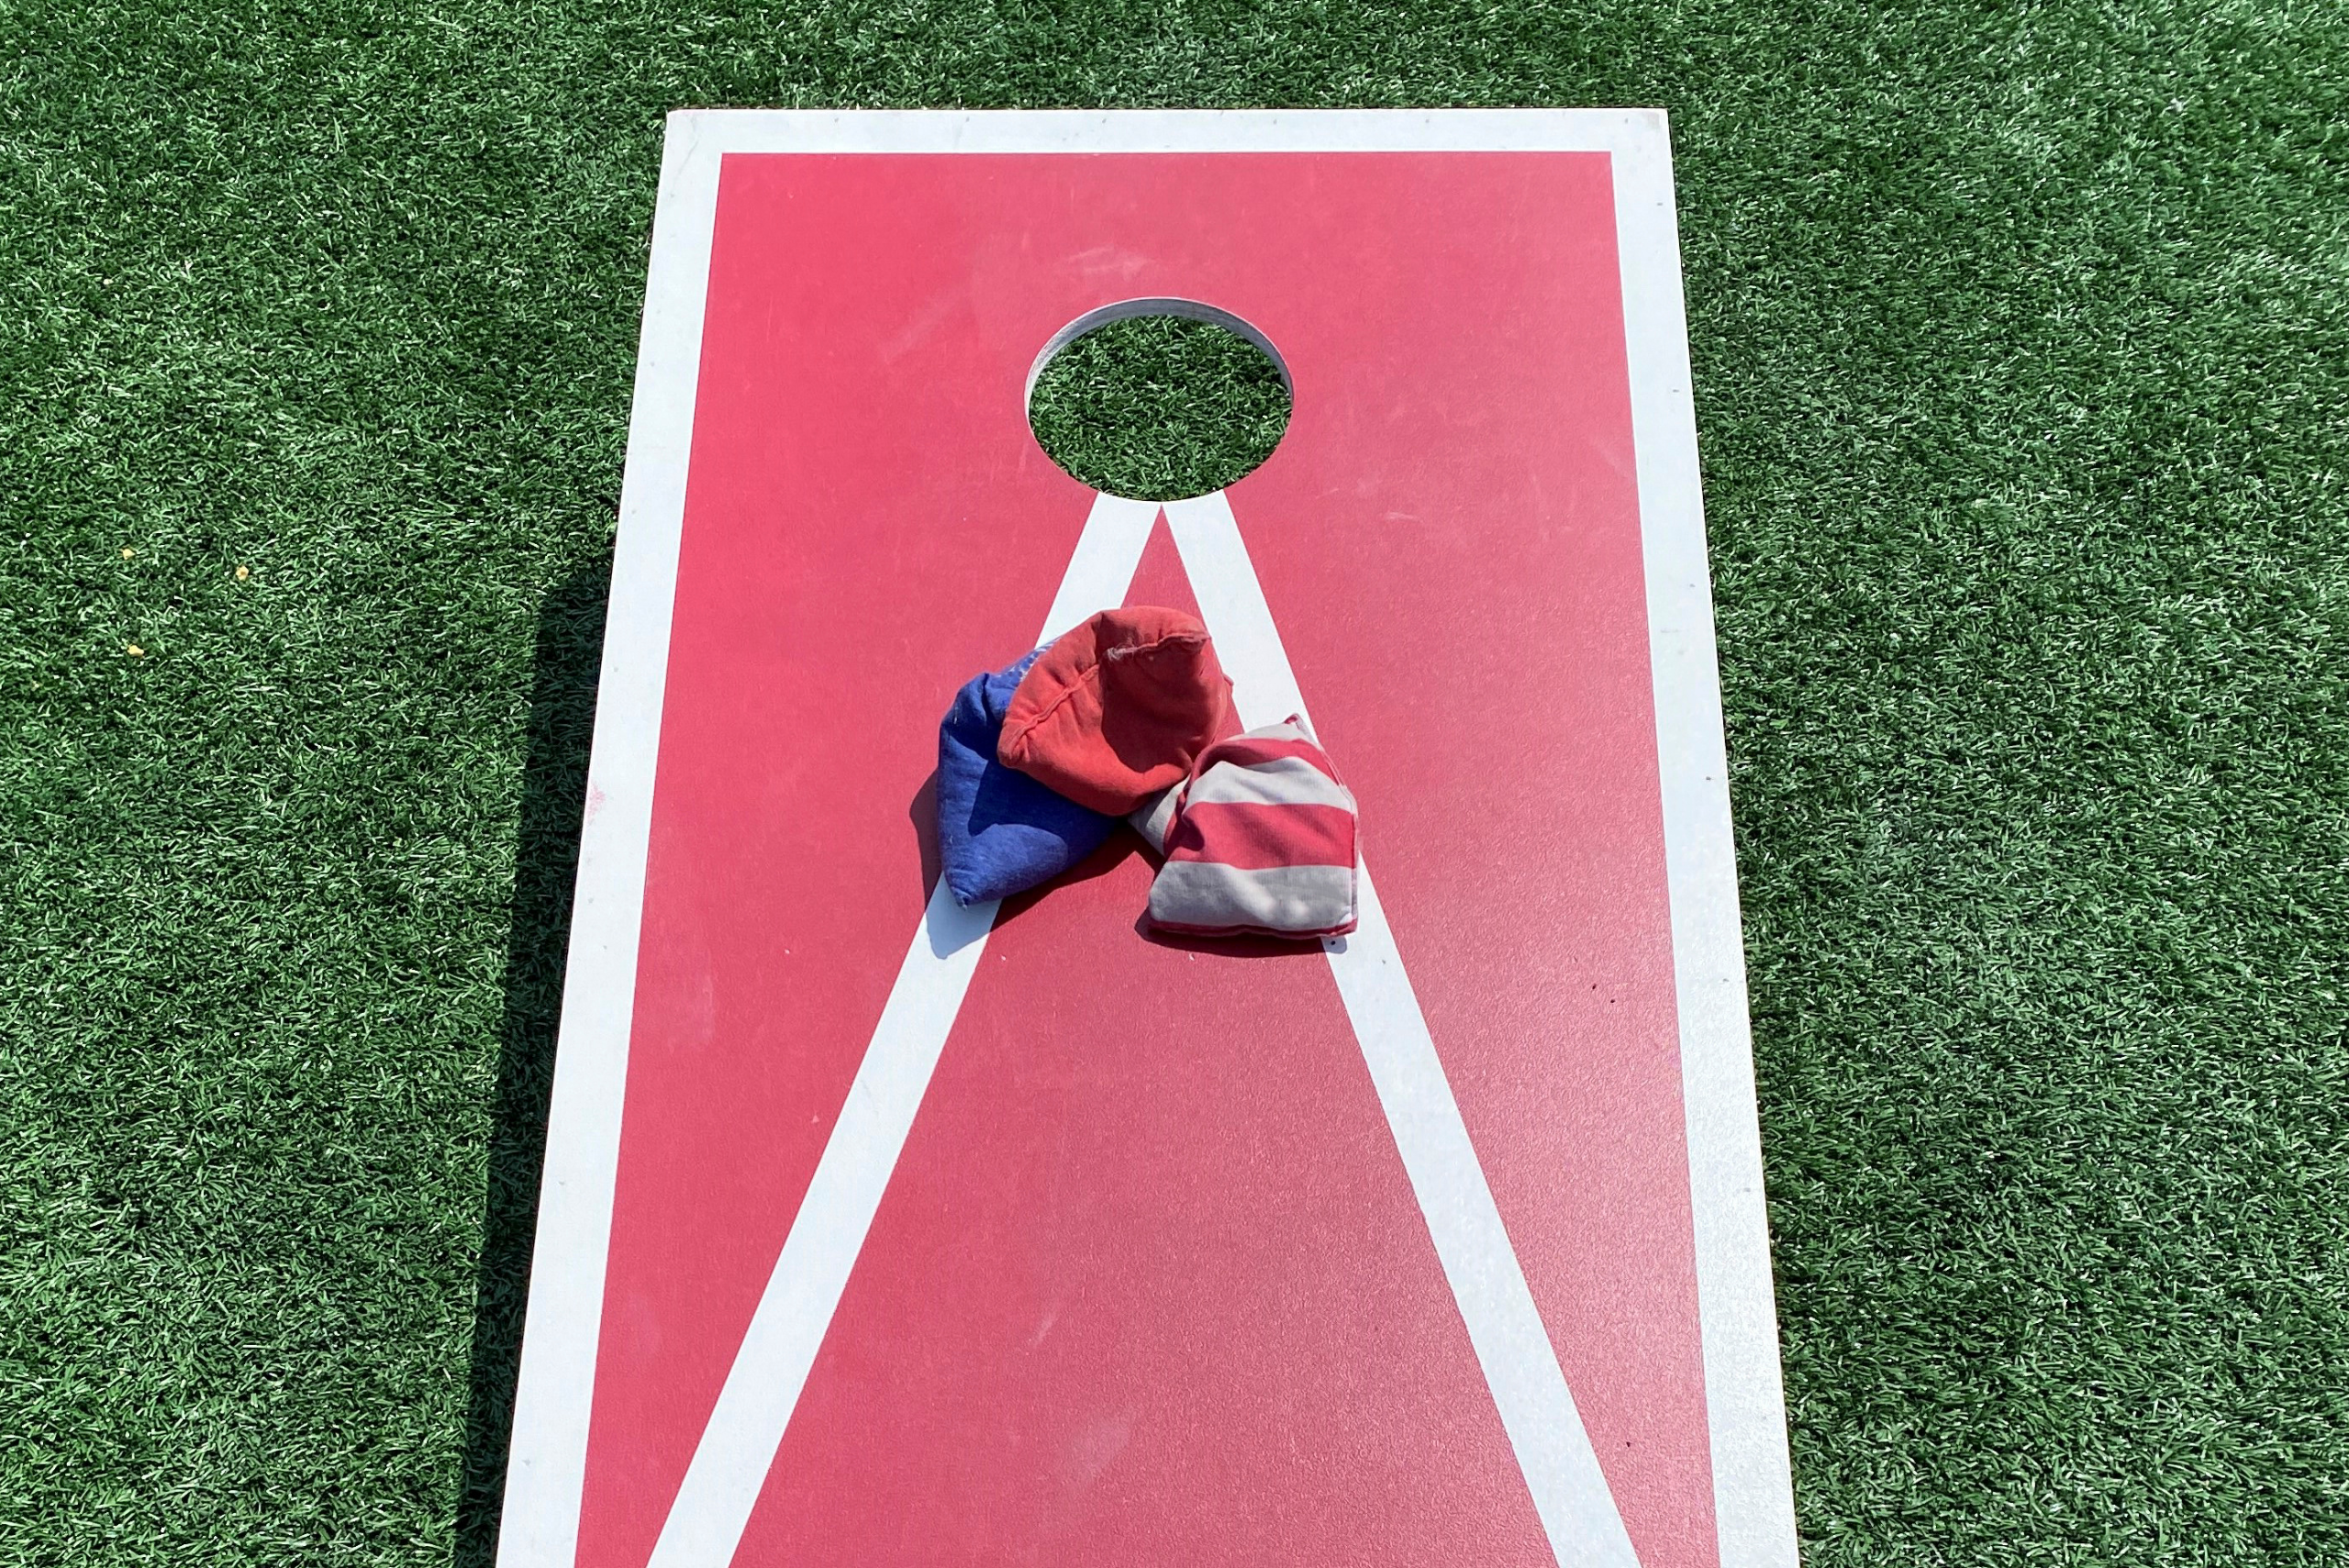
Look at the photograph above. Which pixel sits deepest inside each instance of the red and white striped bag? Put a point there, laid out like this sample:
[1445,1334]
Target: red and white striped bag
[1258,839]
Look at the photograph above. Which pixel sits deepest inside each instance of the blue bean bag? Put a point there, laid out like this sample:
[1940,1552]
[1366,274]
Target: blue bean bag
[999,831]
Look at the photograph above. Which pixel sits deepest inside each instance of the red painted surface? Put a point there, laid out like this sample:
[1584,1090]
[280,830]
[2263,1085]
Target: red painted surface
[1149,1286]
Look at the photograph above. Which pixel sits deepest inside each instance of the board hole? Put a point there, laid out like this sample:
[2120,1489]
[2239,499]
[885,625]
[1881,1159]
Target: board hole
[1158,399]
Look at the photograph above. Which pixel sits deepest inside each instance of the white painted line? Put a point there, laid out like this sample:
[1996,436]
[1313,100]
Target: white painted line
[1232,601]
[1537,1408]
[1754,1502]
[737,1448]
[1102,567]
[554,1394]
[1087,131]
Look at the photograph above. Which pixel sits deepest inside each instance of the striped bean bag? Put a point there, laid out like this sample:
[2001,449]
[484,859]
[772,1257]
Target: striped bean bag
[1258,840]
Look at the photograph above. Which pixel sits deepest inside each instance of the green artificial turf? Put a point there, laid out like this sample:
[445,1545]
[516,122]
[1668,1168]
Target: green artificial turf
[1159,408]
[2021,355]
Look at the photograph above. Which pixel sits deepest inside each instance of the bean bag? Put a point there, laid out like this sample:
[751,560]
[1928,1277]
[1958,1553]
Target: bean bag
[1116,708]
[1259,840]
[999,831]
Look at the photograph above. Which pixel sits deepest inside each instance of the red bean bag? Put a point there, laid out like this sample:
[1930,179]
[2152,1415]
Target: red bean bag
[1116,708]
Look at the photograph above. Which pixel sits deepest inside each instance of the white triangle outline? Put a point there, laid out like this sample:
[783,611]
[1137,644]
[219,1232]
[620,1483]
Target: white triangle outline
[730,1465]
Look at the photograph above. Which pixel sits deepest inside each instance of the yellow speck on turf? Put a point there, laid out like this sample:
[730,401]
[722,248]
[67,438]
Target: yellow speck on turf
[243,572]
[127,553]
[134,650]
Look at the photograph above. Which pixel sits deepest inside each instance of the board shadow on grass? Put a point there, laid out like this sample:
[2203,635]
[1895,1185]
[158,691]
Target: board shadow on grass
[554,790]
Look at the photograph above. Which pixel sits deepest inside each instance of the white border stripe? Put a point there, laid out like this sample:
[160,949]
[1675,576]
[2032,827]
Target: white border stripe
[730,1465]
[554,1394]
[1754,1504]
[1180,130]
[1537,1408]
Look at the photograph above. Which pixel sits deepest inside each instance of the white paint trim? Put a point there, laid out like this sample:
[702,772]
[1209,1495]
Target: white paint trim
[1102,566]
[1175,130]
[737,1447]
[1753,1487]
[1231,601]
[554,1394]
[1744,1394]
[1520,1366]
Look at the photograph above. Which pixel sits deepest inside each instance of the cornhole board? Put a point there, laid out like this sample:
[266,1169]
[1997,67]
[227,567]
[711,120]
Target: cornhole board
[878,1231]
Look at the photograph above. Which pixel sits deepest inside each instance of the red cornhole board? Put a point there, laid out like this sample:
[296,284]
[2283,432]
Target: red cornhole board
[877,1231]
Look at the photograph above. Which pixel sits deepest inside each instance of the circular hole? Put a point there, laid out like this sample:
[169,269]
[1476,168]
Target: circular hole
[1158,399]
